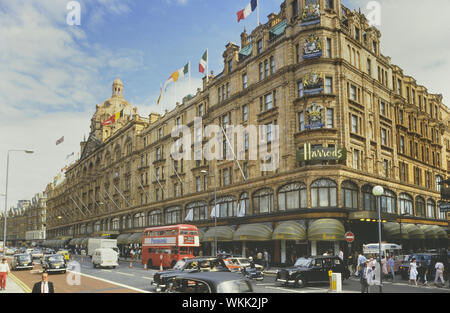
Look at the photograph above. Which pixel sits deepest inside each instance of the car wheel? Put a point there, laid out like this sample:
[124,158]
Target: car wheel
[300,282]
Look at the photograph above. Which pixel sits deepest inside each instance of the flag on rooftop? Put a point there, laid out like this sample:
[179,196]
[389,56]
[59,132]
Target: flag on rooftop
[177,75]
[242,14]
[60,140]
[203,62]
[160,94]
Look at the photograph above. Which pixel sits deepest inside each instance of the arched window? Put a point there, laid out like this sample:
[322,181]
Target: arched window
[115,223]
[323,193]
[139,220]
[420,206]
[431,208]
[244,204]
[442,215]
[97,227]
[349,195]
[83,229]
[200,210]
[292,196]
[155,218]
[388,202]
[227,206]
[173,215]
[129,222]
[124,222]
[89,228]
[263,201]
[368,199]
[405,204]
[437,183]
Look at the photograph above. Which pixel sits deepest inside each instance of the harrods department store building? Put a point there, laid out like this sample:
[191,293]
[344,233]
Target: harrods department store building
[348,120]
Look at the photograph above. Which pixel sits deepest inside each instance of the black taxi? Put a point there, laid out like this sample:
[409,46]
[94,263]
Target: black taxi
[209,282]
[312,269]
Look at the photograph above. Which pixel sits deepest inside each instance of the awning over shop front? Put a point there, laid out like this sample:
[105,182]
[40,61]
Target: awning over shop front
[290,230]
[223,233]
[440,232]
[326,230]
[134,238]
[253,232]
[84,242]
[394,231]
[414,231]
[429,231]
[122,239]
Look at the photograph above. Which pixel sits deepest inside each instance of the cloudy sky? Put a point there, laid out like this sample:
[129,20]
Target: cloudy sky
[52,75]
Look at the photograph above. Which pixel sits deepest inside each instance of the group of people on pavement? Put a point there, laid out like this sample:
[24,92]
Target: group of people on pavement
[422,272]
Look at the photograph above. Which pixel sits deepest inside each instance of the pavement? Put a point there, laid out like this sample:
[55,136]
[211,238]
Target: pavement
[14,285]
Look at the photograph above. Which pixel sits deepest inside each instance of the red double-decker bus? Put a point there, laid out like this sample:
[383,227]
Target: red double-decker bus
[168,244]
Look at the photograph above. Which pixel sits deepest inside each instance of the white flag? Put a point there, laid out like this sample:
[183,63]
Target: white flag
[241,208]
[190,216]
[215,211]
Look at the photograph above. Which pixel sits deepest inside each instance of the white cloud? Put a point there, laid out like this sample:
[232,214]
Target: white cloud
[415,34]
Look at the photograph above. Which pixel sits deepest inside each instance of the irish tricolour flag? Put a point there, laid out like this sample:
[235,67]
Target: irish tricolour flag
[203,62]
[177,75]
[242,14]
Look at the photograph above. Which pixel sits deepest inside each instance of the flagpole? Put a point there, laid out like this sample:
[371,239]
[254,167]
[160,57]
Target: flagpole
[189,70]
[207,65]
[257,7]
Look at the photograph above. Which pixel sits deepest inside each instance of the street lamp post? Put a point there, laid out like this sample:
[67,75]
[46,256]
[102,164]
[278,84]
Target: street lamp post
[377,192]
[205,172]
[6,196]
[401,234]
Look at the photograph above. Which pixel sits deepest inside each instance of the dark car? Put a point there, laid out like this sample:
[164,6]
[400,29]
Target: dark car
[209,282]
[429,259]
[312,269]
[21,261]
[54,263]
[193,265]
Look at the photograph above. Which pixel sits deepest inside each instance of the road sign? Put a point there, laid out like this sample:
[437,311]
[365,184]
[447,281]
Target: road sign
[349,236]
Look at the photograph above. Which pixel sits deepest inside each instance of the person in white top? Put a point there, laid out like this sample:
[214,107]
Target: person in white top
[4,270]
[439,272]
[341,255]
[413,271]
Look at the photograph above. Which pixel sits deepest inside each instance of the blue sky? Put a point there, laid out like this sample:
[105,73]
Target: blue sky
[52,75]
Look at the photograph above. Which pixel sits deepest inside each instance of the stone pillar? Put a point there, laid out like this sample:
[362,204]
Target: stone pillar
[313,248]
[283,251]
[243,250]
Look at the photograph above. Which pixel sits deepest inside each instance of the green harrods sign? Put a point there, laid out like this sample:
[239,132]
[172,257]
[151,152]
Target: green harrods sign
[321,154]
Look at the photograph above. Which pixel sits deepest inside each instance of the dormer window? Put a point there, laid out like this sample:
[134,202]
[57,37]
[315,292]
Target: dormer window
[230,66]
[260,46]
[329,4]
[374,46]
[357,33]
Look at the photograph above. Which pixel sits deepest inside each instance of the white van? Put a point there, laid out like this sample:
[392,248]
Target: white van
[105,257]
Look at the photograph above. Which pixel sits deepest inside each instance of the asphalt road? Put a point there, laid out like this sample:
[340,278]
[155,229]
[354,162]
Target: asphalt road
[137,279]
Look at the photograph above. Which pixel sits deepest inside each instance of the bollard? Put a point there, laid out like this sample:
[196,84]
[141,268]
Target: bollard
[330,273]
[336,282]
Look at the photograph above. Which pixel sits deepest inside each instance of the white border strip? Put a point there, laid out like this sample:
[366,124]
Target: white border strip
[111,282]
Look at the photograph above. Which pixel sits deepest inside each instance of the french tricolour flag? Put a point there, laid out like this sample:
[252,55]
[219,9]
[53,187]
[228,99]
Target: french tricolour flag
[242,14]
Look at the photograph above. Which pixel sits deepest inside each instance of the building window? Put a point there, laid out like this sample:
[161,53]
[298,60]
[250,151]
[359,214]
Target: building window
[417,172]
[300,89]
[403,171]
[260,46]
[328,85]
[200,210]
[230,66]
[302,121]
[382,108]
[431,208]
[356,162]
[330,118]
[245,113]
[369,67]
[266,68]
[352,93]
[200,110]
[297,53]
[354,124]
[402,144]
[386,168]
[383,137]
[292,197]
[399,87]
[368,199]
[226,207]
[268,101]
[261,71]
[244,204]
[272,65]
[226,176]
[437,183]
[328,47]
[244,81]
[263,201]
[329,4]
[295,8]
[323,193]
[155,218]
[405,204]
[173,215]
[349,195]
[420,207]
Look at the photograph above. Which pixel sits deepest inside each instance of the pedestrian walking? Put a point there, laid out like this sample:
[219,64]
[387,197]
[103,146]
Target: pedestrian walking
[259,258]
[341,254]
[44,286]
[132,254]
[439,272]
[366,276]
[391,264]
[4,270]
[413,271]
[384,266]
[266,260]
[361,263]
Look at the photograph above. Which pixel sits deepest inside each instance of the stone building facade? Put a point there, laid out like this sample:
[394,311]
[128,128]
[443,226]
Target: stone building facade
[347,119]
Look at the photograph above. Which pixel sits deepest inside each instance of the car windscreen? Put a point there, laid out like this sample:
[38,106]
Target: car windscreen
[55,258]
[234,286]
[302,262]
[244,262]
[24,258]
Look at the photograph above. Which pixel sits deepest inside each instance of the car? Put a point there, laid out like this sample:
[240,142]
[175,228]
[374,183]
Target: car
[210,282]
[65,253]
[21,261]
[429,258]
[54,263]
[188,265]
[37,254]
[237,263]
[312,269]
[10,251]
